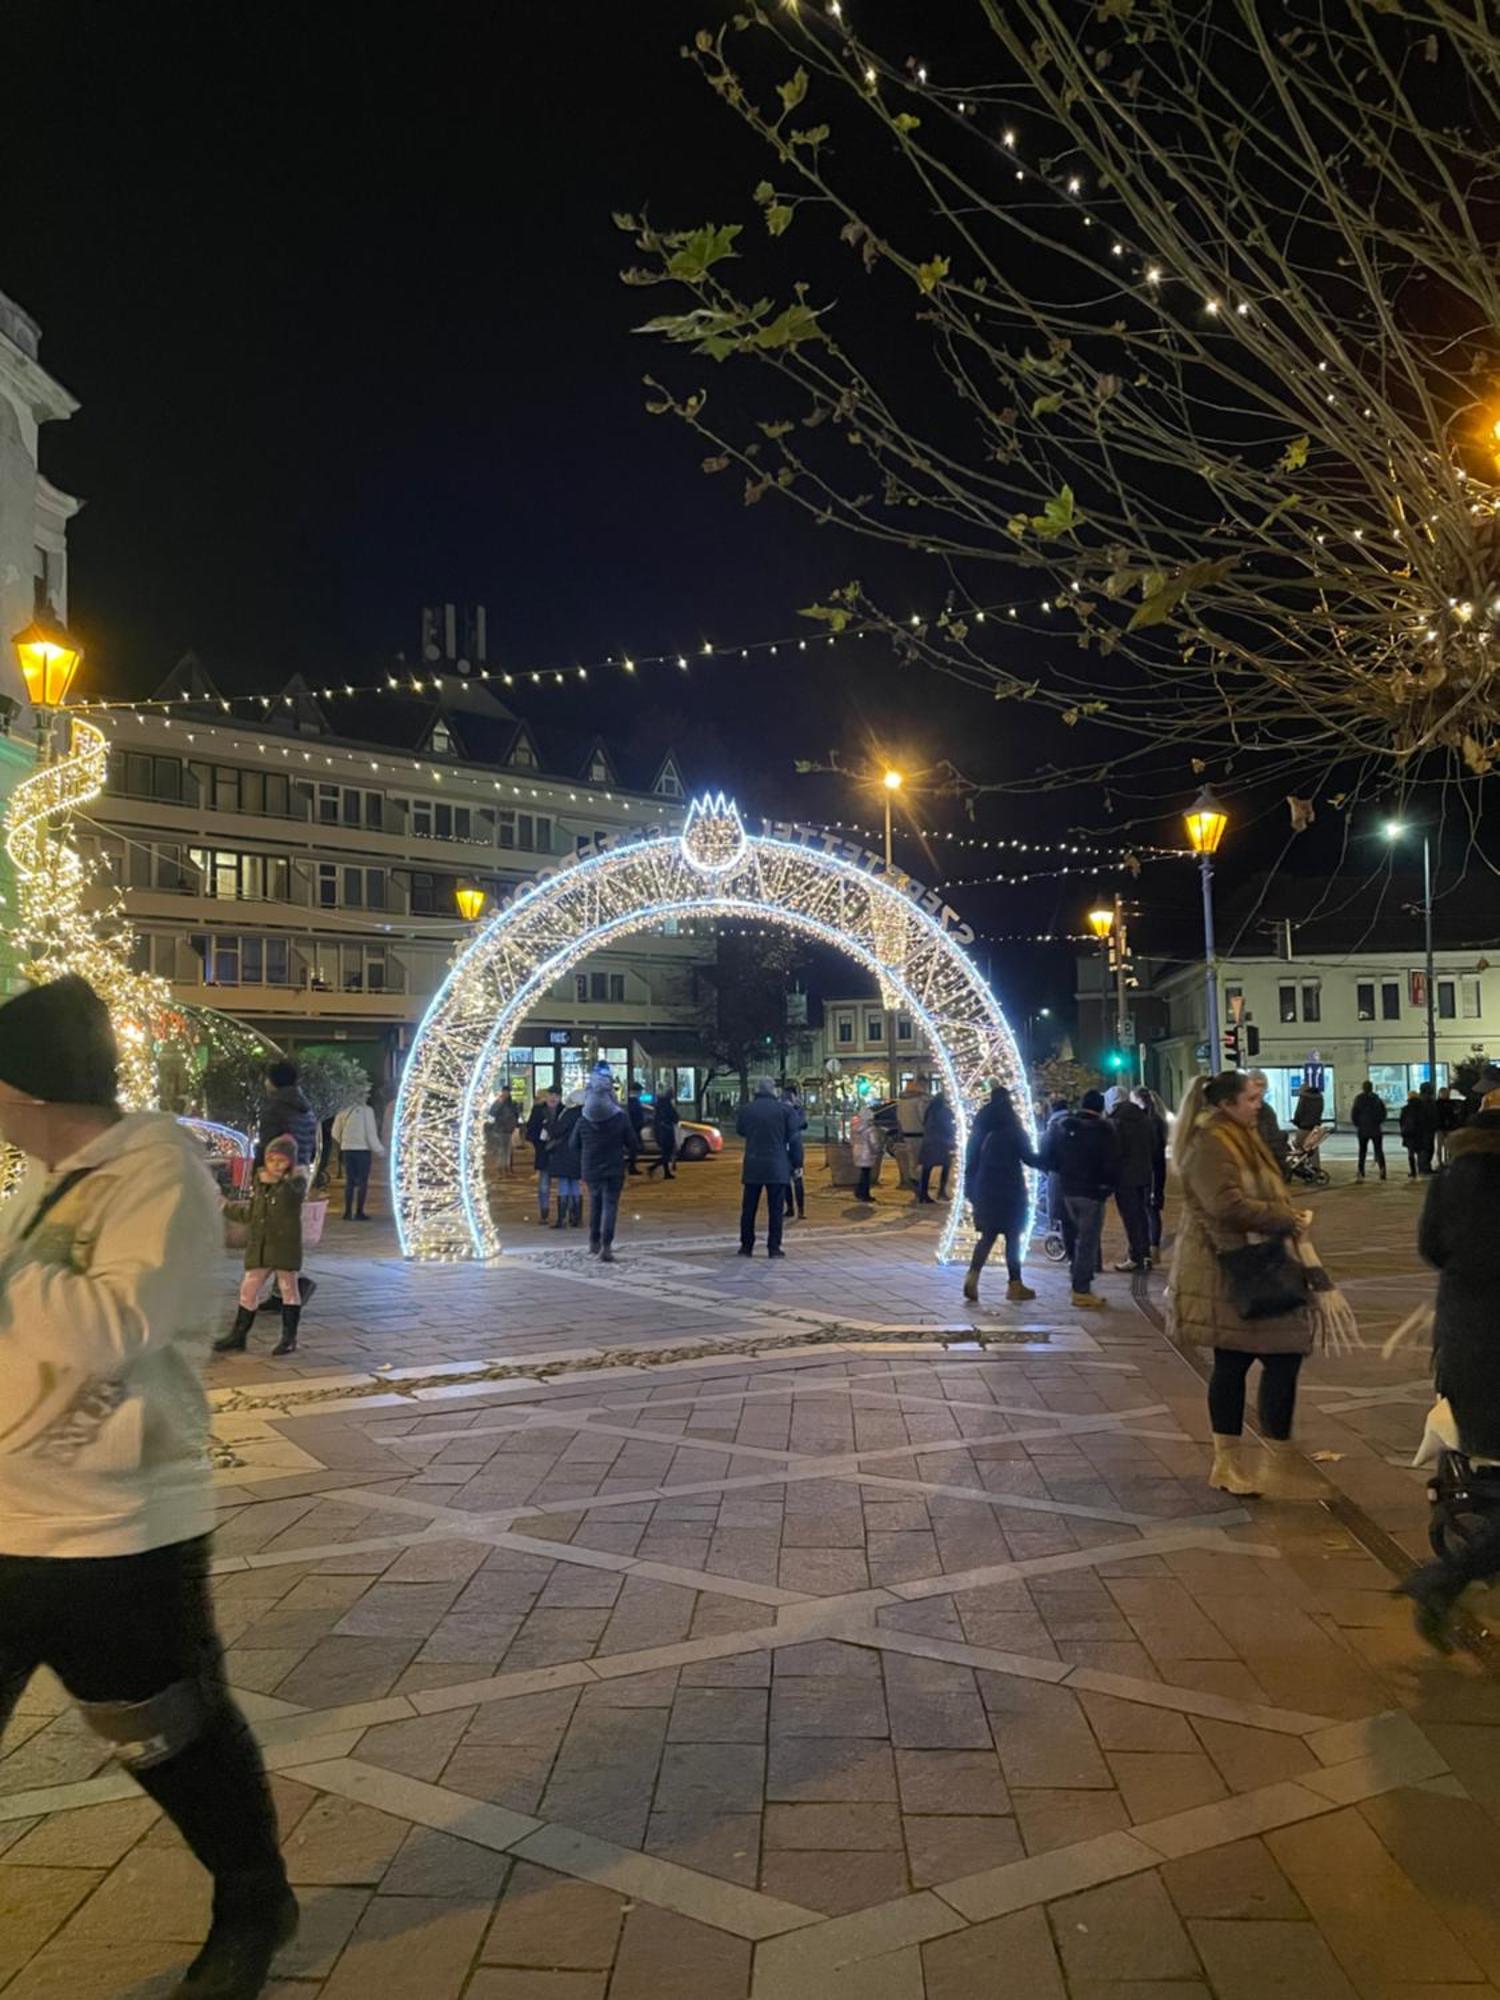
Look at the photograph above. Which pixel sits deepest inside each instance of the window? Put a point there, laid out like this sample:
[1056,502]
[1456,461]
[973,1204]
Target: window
[350,888]
[844,1029]
[598,769]
[230,960]
[1364,1000]
[367,968]
[1312,1003]
[223,872]
[580,986]
[1447,1000]
[1469,993]
[1286,998]
[441,740]
[874,1027]
[609,986]
[143,777]
[522,755]
[530,832]
[348,805]
[1390,999]
[669,784]
[903,1028]
[431,896]
[154,951]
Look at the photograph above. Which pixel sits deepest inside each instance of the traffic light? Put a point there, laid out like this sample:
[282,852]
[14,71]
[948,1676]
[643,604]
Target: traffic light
[1252,1040]
[1232,1047]
[1117,1060]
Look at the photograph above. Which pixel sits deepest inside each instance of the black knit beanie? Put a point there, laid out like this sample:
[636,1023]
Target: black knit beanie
[56,1043]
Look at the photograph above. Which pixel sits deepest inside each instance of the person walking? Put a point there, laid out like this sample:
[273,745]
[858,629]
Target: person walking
[1132,1128]
[1233,1191]
[1083,1151]
[285,1111]
[994,1162]
[505,1122]
[1157,1198]
[109,1261]
[635,1111]
[1413,1126]
[865,1143]
[939,1136]
[1449,1117]
[1460,1237]
[1367,1116]
[356,1133]
[1427,1105]
[608,1147]
[664,1124]
[539,1137]
[773,1141]
[1057,1207]
[910,1110]
[565,1162]
[1307,1114]
[273,1247]
[796,1206]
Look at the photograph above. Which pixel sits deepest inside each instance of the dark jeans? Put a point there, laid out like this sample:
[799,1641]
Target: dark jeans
[1369,1141]
[604,1209]
[543,1190]
[862,1185]
[775,1212]
[1275,1401]
[1057,1208]
[986,1242]
[1413,1161]
[1131,1202]
[668,1143]
[356,1181]
[1157,1203]
[1087,1214]
[132,1639]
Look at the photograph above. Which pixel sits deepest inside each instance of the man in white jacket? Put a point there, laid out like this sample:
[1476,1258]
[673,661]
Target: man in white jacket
[356,1133]
[107,1281]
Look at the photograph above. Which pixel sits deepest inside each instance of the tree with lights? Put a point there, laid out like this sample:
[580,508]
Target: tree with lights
[1204,383]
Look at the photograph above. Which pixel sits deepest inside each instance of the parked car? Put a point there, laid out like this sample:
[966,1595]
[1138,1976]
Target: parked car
[695,1140]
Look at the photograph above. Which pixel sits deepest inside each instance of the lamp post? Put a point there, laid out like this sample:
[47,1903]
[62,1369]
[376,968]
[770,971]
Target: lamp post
[1108,925]
[470,904]
[1205,821]
[48,659]
[890,784]
[1393,832]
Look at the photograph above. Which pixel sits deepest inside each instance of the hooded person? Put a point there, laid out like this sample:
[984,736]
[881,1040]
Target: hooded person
[607,1148]
[356,1133]
[108,1267]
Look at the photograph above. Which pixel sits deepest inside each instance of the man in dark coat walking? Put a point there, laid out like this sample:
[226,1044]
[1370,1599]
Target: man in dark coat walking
[1082,1149]
[773,1150]
[609,1146]
[1133,1181]
[994,1179]
[1156,1200]
[286,1112]
[939,1135]
[539,1123]
[1367,1115]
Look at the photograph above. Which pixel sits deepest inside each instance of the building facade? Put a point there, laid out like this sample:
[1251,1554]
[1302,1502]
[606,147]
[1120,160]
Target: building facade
[300,870]
[854,1040]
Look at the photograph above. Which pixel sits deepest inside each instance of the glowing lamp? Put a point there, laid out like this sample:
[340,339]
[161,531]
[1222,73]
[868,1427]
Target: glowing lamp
[470,904]
[49,660]
[1205,821]
[892,781]
[1101,922]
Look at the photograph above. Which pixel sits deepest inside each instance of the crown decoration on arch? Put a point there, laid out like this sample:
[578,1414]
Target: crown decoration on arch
[825,888]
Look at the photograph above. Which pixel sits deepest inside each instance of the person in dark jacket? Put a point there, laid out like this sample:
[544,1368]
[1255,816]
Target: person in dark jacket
[773,1142]
[939,1135]
[796,1202]
[1427,1104]
[1132,1130]
[273,1246]
[1487,1080]
[609,1146]
[1367,1115]
[664,1121]
[1156,1200]
[286,1111]
[565,1162]
[1450,1111]
[1413,1124]
[997,1153]
[1460,1237]
[1057,1208]
[1083,1151]
[635,1111]
[539,1138]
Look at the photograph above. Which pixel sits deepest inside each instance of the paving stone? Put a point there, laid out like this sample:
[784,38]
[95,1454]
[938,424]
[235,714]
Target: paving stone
[153,1893]
[344,1669]
[951,1781]
[820,1658]
[409,1948]
[1247,1961]
[69,1969]
[1012,1954]
[337,1840]
[667,1957]
[744,1670]
[1122,1930]
[547,1920]
[727,1776]
[944,1848]
[502,1774]
[1155,1783]
[829,1768]
[827,1707]
[489,1984]
[1042,1735]
[96,1837]
[1049,1819]
[432,1863]
[527,1718]
[1237,1882]
[326,1925]
[417,1749]
[718,1715]
[714,1842]
[1247,1758]
[834,1882]
[842,1826]
[1132,1725]
[1450,1848]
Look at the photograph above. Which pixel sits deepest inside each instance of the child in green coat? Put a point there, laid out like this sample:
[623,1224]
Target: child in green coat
[273,1243]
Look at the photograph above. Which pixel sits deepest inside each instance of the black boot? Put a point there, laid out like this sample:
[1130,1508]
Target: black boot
[215,1793]
[287,1344]
[233,1342]
[575,1211]
[562,1214]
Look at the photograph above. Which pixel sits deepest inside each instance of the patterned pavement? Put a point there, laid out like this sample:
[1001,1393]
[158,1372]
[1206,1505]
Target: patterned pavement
[701,1629]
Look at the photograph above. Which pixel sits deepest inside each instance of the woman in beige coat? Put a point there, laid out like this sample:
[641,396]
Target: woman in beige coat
[1232,1189]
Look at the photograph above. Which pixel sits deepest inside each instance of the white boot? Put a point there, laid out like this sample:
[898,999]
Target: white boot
[1228,1473]
[1288,1474]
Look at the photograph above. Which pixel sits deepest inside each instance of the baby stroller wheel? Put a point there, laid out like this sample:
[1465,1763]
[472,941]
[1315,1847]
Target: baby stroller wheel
[1053,1247]
[1461,1500]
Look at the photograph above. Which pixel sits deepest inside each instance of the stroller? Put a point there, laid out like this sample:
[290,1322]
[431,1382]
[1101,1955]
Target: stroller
[1465,1500]
[1047,1228]
[1302,1162]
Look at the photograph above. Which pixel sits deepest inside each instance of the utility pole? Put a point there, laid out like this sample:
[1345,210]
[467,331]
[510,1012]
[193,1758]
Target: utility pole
[892,784]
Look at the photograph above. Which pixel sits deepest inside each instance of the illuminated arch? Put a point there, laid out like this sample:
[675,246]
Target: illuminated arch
[713,869]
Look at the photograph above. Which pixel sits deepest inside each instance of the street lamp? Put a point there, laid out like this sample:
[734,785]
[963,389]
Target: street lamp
[1101,923]
[470,904]
[1393,832]
[48,660]
[1041,1014]
[1205,821]
[891,784]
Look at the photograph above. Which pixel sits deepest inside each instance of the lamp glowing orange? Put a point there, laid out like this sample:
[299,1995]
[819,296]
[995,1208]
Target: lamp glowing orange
[1205,821]
[1101,922]
[470,904]
[49,660]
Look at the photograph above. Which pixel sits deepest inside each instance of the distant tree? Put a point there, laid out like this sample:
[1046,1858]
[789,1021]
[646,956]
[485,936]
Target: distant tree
[743,1024]
[1063,1076]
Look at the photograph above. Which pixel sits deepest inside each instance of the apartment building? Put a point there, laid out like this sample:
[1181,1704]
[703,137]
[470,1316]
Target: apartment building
[298,867]
[854,1037]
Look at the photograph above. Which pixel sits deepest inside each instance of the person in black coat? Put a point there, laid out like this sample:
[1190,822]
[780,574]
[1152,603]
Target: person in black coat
[1083,1151]
[1133,1181]
[608,1146]
[939,1135]
[1157,1198]
[796,1194]
[635,1111]
[1460,1236]
[565,1162]
[539,1138]
[664,1123]
[1413,1125]
[1058,1109]
[773,1146]
[994,1162]
[1428,1105]
[1367,1116]
[286,1113]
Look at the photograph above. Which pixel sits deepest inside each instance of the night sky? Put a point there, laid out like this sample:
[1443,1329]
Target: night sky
[339,296]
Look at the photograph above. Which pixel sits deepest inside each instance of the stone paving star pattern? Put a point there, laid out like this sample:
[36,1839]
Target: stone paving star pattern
[869,1668]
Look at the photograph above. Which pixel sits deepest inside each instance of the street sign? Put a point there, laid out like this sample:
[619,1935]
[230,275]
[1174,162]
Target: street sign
[1127,1031]
[1200,1052]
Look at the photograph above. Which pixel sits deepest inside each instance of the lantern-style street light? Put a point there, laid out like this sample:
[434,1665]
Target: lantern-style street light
[1101,923]
[48,660]
[1393,832]
[470,904]
[1206,821]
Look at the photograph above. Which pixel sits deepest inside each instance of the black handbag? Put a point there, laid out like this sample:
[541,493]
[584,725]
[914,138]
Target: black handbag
[1264,1283]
